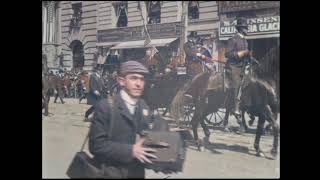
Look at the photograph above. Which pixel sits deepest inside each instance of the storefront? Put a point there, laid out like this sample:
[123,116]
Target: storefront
[263,20]
[130,43]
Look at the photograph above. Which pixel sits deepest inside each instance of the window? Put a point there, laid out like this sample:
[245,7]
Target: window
[154,12]
[121,11]
[76,17]
[193,10]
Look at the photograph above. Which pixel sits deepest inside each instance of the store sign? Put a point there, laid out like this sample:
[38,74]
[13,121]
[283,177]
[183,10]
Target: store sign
[257,28]
[235,6]
[156,31]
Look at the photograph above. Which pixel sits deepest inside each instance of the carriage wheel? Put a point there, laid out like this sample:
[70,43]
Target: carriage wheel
[188,113]
[215,118]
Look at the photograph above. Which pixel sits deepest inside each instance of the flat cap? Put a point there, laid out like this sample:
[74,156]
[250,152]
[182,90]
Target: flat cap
[133,67]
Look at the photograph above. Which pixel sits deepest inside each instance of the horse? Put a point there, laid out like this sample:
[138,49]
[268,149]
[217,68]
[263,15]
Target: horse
[262,97]
[269,71]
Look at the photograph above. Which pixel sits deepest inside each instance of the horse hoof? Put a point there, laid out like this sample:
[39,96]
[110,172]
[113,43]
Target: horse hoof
[206,139]
[242,130]
[260,154]
[201,148]
[274,153]
[207,134]
[226,129]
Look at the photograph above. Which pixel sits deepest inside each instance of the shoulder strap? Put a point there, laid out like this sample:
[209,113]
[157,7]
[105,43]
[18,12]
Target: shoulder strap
[110,102]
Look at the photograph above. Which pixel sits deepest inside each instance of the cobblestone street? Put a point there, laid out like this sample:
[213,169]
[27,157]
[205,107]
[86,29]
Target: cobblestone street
[229,155]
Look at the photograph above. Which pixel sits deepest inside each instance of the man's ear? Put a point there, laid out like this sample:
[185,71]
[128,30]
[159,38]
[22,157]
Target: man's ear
[121,81]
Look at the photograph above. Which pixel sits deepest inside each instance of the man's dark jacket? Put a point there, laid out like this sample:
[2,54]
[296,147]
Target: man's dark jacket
[115,151]
[95,83]
[235,44]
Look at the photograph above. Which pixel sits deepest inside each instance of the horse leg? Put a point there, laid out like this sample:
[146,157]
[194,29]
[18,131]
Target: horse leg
[251,121]
[205,129]
[228,110]
[226,121]
[166,111]
[244,123]
[60,93]
[55,97]
[275,126]
[195,123]
[46,104]
[259,132]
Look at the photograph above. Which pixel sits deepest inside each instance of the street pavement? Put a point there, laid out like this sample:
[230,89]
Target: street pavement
[228,155]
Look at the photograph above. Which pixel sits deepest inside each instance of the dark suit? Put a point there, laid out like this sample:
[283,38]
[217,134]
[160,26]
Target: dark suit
[234,63]
[95,83]
[115,151]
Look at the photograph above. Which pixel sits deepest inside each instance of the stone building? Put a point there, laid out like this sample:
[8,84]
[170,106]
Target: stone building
[79,32]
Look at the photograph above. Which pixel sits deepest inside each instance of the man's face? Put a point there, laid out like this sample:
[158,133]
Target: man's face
[133,84]
[243,30]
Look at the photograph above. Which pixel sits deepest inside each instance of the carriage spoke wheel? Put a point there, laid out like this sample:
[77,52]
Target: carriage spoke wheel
[215,118]
[188,114]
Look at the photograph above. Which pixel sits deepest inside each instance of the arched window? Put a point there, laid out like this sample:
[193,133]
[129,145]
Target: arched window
[154,12]
[193,10]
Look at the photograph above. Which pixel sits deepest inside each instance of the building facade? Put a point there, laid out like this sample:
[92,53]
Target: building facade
[51,36]
[81,31]
[263,18]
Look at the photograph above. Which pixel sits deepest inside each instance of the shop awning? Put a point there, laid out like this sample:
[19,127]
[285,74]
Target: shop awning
[107,44]
[140,44]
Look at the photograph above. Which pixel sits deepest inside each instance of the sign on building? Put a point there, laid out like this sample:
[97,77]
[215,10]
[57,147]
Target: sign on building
[262,27]
[235,6]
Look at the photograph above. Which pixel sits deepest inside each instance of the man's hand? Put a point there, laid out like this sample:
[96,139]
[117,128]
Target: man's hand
[96,93]
[243,53]
[141,153]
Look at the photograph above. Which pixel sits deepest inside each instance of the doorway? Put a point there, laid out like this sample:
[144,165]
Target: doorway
[77,55]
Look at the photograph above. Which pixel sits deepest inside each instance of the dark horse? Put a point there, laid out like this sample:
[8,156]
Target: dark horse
[207,91]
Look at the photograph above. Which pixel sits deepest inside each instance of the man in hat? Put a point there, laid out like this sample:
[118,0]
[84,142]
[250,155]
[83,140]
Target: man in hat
[95,92]
[121,151]
[236,52]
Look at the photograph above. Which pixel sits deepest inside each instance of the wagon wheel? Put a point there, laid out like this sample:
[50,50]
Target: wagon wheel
[215,118]
[188,114]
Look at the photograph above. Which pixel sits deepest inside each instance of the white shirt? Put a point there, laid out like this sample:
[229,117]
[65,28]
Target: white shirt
[129,101]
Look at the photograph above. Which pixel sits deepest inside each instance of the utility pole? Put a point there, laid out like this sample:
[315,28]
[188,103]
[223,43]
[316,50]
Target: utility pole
[184,32]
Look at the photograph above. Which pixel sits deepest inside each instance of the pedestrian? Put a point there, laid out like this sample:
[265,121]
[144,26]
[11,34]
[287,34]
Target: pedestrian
[120,152]
[83,85]
[95,92]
